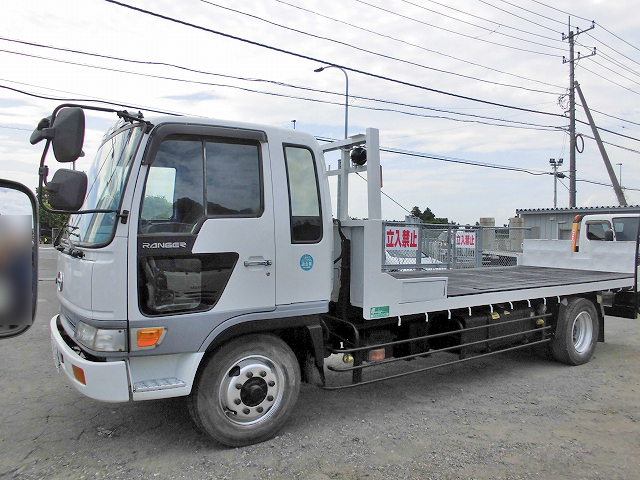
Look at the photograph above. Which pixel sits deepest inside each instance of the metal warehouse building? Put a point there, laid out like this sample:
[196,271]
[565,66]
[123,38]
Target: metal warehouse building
[555,223]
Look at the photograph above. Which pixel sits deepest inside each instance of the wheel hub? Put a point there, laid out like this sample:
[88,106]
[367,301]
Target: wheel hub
[250,389]
[582,332]
[253,392]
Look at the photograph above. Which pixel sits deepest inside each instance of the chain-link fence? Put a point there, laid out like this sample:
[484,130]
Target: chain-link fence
[437,246]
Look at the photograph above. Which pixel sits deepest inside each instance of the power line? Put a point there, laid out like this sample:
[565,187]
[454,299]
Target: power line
[416,45]
[485,165]
[260,80]
[16,128]
[378,54]
[614,72]
[619,53]
[596,23]
[459,33]
[461,161]
[387,150]
[594,182]
[485,28]
[523,18]
[607,79]
[442,158]
[58,99]
[621,39]
[516,124]
[561,11]
[386,195]
[314,59]
[484,19]
[612,116]
[612,144]
[617,63]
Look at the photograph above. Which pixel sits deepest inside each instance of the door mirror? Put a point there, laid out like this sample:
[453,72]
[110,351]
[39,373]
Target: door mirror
[18,258]
[67,189]
[608,236]
[68,134]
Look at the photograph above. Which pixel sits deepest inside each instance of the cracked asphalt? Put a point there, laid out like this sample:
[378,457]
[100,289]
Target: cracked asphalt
[511,416]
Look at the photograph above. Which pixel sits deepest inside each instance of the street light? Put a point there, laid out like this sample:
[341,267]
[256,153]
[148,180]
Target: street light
[346,130]
[620,177]
[346,95]
[555,174]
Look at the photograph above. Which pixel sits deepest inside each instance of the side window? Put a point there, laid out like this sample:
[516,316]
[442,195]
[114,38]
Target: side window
[174,284]
[174,191]
[304,196]
[626,228]
[234,180]
[595,230]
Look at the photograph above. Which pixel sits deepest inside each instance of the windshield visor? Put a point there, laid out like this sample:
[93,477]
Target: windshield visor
[107,178]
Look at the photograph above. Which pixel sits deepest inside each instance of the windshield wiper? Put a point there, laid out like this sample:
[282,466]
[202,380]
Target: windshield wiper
[73,250]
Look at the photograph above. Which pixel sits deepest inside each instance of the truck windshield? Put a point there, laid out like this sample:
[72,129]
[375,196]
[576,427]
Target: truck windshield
[106,180]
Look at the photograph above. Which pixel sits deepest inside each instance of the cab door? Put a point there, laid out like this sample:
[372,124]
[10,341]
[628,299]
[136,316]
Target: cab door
[205,236]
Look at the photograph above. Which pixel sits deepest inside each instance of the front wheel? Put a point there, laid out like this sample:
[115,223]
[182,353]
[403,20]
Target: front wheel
[576,333]
[246,391]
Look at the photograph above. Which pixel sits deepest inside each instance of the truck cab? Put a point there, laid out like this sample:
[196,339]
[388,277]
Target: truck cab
[191,233]
[602,228]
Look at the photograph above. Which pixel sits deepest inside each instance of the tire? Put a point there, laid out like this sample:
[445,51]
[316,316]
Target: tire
[576,333]
[246,391]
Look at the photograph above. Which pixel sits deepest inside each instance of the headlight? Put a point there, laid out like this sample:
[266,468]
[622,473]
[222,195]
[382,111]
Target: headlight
[101,339]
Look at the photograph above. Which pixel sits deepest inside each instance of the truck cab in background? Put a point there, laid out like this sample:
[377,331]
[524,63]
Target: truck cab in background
[603,228]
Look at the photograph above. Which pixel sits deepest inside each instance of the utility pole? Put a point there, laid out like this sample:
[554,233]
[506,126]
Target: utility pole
[572,106]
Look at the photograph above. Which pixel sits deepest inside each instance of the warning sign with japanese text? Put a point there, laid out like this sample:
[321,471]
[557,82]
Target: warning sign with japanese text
[465,239]
[401,238]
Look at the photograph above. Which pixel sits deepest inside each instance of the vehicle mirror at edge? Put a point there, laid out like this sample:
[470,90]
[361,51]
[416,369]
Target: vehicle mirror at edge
[19,239]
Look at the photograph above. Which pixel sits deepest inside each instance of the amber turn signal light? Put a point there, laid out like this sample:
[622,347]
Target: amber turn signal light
[148,337]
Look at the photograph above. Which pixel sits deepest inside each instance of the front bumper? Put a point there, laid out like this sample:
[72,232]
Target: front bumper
[105,381]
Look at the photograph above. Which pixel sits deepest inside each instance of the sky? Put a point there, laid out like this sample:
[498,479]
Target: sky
[467,81]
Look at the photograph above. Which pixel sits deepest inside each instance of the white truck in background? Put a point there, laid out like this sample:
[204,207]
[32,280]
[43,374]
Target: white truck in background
[202,260]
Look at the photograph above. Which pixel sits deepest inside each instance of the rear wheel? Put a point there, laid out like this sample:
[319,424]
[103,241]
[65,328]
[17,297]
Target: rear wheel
[576,333]
[246,391]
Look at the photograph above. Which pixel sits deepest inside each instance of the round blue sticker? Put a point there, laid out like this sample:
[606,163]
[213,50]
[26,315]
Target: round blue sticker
[306,262]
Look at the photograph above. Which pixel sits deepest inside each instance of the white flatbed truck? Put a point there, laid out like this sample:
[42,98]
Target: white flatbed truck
[202,260]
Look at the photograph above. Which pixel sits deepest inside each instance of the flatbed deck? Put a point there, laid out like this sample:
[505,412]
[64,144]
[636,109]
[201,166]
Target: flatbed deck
[502,279]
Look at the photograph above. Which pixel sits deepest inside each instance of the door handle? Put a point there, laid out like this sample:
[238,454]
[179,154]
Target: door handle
[257,263]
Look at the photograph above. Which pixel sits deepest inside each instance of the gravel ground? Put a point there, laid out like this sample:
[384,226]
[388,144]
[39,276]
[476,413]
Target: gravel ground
[512,416]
